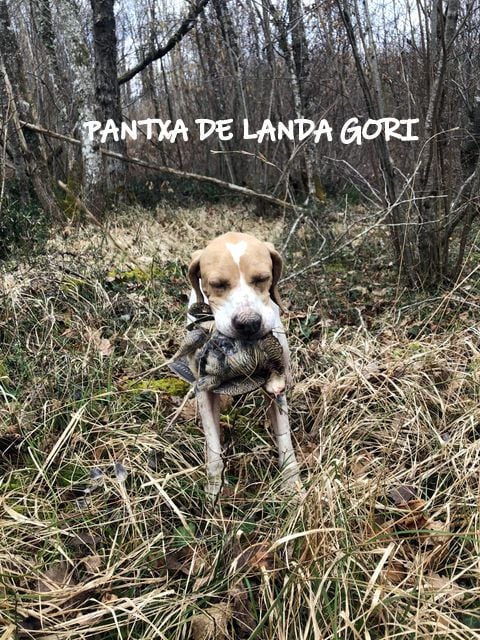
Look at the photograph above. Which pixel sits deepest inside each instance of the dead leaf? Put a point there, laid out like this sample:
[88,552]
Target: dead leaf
[109,597]
[361,465]
[92,564]
[403,494]
[212,623]
[257,556]
[57,576]
[187,561]
[189,410]
[414,519]
[439,531]
[105,347]
[416,505]
[394,573]
[308,454]
[444,586]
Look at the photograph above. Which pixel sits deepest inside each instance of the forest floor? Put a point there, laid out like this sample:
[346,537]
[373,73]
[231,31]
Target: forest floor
[105,530]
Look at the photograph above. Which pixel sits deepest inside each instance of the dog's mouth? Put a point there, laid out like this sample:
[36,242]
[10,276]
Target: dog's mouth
[246,323]
[246,335]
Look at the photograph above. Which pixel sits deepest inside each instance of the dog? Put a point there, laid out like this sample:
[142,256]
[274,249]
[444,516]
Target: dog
[237,275]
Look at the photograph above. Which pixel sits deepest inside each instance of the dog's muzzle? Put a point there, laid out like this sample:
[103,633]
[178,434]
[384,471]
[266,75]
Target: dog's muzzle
[247,324]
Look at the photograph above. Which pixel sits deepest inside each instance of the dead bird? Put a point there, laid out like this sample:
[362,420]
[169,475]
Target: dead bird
[198,331]
[233,366]
[185,361]
[215,362]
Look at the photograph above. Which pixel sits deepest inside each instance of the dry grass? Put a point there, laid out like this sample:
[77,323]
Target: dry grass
[104,527]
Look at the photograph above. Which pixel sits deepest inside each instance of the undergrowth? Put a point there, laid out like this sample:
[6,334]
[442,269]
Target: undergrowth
[105,530]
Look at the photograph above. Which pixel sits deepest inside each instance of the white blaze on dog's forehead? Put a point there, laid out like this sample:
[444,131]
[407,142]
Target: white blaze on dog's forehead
[237,250]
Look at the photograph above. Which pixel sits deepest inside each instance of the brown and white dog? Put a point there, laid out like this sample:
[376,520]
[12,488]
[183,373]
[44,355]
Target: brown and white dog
[237,275]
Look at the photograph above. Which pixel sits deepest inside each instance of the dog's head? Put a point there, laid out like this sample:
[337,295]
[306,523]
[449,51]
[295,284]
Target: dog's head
[238,275]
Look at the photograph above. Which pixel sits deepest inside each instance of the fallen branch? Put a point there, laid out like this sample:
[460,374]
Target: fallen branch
[251,193]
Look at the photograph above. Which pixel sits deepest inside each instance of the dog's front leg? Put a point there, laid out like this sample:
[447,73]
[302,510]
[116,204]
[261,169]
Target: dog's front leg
[278,413]
[208,406]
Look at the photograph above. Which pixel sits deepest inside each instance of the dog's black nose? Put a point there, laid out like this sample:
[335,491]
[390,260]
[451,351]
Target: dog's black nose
[247,324]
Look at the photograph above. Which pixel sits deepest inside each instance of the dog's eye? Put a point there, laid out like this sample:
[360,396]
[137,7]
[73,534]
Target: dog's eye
[219,285]
[260,279]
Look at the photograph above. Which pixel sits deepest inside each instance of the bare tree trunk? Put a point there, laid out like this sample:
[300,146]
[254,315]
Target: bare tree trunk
[30,168]
[211,70]
[171,113]
[107,91]
[42,12]
[299,48]
[55,76]
[11,69]
[402,235]
[274,106]
[84,97]
[433,244]
[233,55]
[289,45]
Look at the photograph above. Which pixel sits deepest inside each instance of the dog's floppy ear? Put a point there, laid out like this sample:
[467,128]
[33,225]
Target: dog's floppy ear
[277,265]
[194,274]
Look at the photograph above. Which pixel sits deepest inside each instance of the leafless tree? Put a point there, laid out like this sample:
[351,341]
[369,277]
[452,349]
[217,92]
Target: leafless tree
[274,59]
[107,89]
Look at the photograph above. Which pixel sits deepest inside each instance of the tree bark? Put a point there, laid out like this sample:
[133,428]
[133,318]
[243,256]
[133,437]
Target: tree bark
[289,44]
[29,166]
[107,90]
[31,169]
[84,97]
[433,244]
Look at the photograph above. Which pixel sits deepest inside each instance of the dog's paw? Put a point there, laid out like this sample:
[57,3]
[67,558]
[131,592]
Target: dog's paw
[275,385]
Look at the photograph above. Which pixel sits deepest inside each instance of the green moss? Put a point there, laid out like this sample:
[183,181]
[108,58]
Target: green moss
[335,267]
[408,349]
[68,202]
[415,346]
[473,366]
[70,284]
[164,274]
[81,55]
[70,474]
[3,370]
[136,275]
[170,386]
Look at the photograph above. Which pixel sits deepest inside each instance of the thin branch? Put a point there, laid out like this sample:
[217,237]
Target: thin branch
[186,26]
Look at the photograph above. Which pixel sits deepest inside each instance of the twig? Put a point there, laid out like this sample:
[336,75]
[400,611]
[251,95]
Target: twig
[293,228]
[372,189]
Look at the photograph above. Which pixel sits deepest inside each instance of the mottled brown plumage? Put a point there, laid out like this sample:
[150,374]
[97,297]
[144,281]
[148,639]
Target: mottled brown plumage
[233,366]
[227,365]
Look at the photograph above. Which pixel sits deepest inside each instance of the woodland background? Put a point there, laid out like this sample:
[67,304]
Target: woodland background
[105,529]
[67,62]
